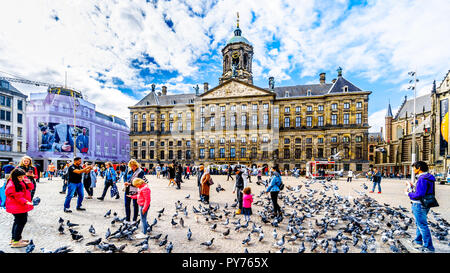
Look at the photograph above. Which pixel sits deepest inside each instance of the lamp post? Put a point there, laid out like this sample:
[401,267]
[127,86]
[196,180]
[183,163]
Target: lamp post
[75,105]
[413,82]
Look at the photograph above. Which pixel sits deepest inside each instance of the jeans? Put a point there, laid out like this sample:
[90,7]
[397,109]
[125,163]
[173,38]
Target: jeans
[105,189]
[423,234]
[87,187]
[379,186]
[34,190]
[64,187]
[71,189]
[274,197]
[144,219]
[239,196]
[20,219]
[128,201]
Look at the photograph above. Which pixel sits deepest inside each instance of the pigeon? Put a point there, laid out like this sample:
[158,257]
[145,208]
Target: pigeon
[301,249]
[261,236]
[61,229]
[77,237]
[94,243]
[245,250]
[226,233]
[108,233]
[30,247]
[280,242]
[169,248]
[187,196]
[156,237]
[213,226]
[246,241]
[275,234]
[182,222]
[173,223]
[164,241]
[108,213]
[189,234]
[36,201]
[143,248]
[208,244]
[69,224]
[226,222]
[161,211]
[281,250]
[92,230]
[345,248]
[61,220]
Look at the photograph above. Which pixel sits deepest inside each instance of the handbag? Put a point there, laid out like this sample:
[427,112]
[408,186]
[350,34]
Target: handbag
[210,181]
[114,190]
[429,200]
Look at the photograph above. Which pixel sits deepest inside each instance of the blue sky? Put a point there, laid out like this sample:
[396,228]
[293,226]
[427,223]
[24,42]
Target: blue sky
[114,50]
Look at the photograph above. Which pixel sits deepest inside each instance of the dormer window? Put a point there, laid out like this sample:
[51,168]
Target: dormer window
[345,89]
[286,94]
[308,93]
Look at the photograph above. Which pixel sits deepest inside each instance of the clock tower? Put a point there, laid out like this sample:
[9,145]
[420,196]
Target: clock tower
[237,58]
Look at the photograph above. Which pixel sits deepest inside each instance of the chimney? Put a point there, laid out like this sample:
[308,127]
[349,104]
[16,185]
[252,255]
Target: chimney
[322,78]
[271,83]
[205,87]
[164,90]
[333,80]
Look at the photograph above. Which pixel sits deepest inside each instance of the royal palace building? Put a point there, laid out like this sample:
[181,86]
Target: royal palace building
[239,122]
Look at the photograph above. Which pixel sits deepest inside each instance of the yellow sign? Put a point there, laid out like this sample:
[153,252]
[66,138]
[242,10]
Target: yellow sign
[444,127]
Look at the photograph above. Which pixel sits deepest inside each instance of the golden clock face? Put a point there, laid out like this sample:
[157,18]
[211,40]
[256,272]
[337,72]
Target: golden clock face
[235,55]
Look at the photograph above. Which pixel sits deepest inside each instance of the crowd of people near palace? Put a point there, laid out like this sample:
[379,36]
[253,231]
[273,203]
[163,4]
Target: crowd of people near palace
[20,185]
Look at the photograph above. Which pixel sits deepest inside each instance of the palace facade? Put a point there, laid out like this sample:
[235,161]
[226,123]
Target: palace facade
[238,122]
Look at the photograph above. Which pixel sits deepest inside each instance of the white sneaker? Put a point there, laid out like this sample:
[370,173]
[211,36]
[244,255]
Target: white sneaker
[140,236]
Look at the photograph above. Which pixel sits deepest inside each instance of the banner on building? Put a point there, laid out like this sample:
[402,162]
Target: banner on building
[444,126]
[59,137]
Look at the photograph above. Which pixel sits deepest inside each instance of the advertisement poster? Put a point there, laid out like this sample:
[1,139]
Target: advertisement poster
[59,137]
[444,112]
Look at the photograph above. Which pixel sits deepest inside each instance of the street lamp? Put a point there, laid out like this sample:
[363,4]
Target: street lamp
[76,103]
[412,86]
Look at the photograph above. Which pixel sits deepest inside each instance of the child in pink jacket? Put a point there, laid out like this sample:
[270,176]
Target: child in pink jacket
[143,199]
[247,201]
[18,203]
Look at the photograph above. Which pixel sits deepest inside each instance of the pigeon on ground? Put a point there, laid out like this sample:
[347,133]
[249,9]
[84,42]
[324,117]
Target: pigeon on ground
[94,243]
[108,213]
[61,229]
[189,234]
[208,244]
[169,248]
[164,241]
[226,233]
[61,220]
[30,247]
[77,237]
[69,224]
[92,230]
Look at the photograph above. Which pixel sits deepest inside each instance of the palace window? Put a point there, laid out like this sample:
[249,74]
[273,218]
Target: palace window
[320,121]
[297,122]
[320,108]
[358,118]
[297,109]
[255,120]
[309,121]
[359,104]
[334,106]
[287,122]
[346,118]
[202,153]
[309,108]
[265,119]
[346,105]
[333,119]
[287,110]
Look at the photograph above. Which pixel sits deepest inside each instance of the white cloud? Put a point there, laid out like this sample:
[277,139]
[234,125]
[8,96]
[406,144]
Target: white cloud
[377,120]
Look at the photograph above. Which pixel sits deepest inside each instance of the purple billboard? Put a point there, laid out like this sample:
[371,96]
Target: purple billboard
[58,137]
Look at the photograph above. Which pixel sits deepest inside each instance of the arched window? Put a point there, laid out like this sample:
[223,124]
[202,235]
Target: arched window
[246,61]
[225,63]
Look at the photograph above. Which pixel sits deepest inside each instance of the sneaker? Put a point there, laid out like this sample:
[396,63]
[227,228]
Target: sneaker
[67,210]
[416,245]
[62,192]
[140,236]
[371,191]
[379,192]
[117,197]
[17,244]
[100,198]
[426,250]
[80,208]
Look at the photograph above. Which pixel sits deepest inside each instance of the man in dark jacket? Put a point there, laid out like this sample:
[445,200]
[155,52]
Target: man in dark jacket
[376,179]
[229,173]
[199,181]
[424,186]
[238,188]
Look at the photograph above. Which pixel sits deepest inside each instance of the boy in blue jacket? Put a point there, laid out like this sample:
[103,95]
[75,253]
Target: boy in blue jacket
[424,185]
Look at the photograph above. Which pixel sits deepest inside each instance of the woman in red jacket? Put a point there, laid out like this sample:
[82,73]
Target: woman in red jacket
[18,203]
[143,199]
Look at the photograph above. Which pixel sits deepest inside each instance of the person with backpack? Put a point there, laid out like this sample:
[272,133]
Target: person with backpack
[19,203]
[110,180]
[274,188]
[424,187]
[89,182]
[65,177]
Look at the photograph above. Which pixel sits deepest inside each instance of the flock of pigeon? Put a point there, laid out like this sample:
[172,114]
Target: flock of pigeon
[314,219]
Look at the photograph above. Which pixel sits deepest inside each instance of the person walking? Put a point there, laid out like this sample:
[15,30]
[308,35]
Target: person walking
[200,172]
[178,175]
[19,203]
[205,185]
[26,164]
[158,171]
[75,172]
[65,177]
[237,188]
[89,182]
[349,176]
[259,175]
[51,171]
[133,172]
[425,185]
[376,179]
[171,172]
[230,170]
[247,201]
[143,199]
[110,181]
[274,189]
